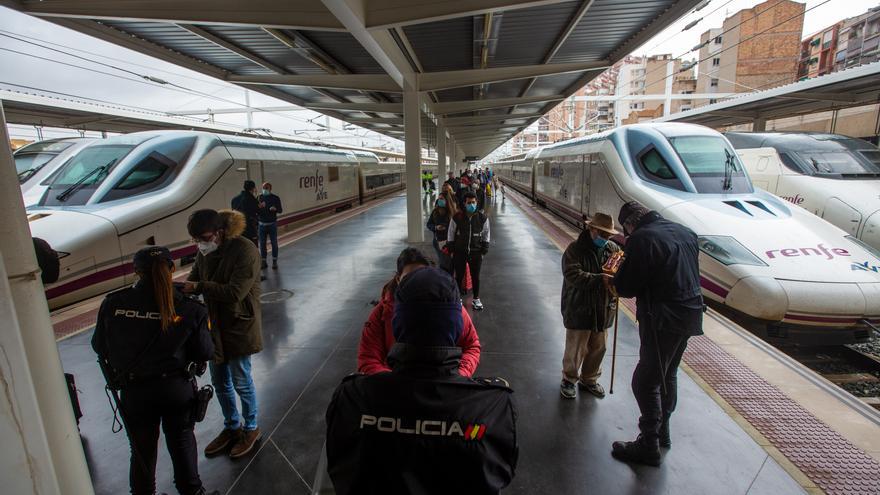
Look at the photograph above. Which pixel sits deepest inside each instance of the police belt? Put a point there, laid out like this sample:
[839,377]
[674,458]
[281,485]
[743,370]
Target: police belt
[132,379]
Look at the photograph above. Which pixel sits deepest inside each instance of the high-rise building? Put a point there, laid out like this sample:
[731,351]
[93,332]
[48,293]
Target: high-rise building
[757,48]
[858,40]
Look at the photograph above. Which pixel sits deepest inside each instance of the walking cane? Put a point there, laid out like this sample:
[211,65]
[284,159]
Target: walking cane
[614,345]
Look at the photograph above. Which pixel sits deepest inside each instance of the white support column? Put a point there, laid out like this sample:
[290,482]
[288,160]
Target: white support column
[42,450]
[413,146]
[667,103]
[441,154]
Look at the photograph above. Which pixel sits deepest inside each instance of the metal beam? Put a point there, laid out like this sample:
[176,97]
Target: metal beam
[436,81]
[474,105]
[262,62]
[572,23]
[223,111]
[661,96]
[459,130]
[661,22]
[481,119]
[308,50]
[290,14]
[362,82]
[376,120]
[386,14]
[830,97]
[357,107]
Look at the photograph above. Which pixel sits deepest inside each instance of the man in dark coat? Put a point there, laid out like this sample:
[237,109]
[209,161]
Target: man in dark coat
[661,270]
[422,427]
[246,202]
[227,274]
[587,306]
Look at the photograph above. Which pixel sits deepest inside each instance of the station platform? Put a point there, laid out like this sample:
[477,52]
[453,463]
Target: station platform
[314,309]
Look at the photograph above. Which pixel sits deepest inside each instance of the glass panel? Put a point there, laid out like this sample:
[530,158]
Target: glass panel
[26,165]
[46,146]
[702,154]
[146,173]
[836,163]
[86,163]
[656,165]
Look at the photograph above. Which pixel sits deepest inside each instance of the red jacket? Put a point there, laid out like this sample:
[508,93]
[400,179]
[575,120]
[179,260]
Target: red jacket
[378,337]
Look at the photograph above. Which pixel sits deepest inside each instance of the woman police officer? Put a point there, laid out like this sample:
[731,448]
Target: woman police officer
[149,336]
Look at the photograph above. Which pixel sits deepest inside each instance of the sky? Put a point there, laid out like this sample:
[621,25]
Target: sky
[22,71]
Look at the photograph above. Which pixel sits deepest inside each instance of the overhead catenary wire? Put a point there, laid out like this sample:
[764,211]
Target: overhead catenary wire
[682,30]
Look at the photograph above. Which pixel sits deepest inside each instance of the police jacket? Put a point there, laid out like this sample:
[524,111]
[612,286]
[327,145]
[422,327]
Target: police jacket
[248,205]
[421,429]
[469,233]
[266,215]
[586,303]
[661,270]
[128,333]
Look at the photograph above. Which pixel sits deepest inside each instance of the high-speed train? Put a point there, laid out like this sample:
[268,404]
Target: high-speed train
[37,161]
[123,193]
[772,263]
[833,176]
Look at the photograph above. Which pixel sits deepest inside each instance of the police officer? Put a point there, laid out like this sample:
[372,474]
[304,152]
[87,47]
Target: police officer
[150,337]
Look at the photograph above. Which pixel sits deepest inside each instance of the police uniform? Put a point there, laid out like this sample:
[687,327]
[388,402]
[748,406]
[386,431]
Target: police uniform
[156,386]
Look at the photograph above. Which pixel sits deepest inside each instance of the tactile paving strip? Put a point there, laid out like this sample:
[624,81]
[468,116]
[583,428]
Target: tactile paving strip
[829,460]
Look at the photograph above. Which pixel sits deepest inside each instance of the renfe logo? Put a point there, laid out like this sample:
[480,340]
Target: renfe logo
[820,250]
[796,199]
[426,427]
[316,183]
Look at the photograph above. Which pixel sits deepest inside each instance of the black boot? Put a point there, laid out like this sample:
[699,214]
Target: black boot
[642,451]
[665,441]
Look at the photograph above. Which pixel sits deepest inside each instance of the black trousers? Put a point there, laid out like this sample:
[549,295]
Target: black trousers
[475,261]
[655,379]
[147,405]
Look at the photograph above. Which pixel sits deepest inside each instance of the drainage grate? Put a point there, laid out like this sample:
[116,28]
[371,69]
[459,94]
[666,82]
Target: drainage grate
[276,296]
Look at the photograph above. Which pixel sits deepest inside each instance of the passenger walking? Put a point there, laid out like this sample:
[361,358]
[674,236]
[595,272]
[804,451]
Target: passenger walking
[438,222]
[468,238]
[151,341]
[661,270]
[246,202]
[377,338]
[420,397]
[452,182]
[227,274]
[587,306]
[270,207]
[451,201]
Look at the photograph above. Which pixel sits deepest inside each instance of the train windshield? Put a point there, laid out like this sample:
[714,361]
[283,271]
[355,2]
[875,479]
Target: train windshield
[843,163]
[30,159]
[75,182]
[712,165]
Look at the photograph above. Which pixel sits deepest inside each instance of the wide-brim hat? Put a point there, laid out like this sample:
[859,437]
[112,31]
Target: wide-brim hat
[603,222]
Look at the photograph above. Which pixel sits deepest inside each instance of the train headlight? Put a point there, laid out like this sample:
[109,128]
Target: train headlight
[728,250]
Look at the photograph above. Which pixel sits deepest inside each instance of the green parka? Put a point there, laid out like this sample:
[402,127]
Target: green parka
[229,280]
[586,304]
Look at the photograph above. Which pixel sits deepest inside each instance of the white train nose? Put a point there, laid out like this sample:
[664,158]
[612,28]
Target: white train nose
[761,297]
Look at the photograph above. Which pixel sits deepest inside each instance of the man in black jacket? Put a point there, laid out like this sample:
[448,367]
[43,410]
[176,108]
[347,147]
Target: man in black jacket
[246,202]
[468,237]
[422,427]
[587,306]
[661,270]
[270,208]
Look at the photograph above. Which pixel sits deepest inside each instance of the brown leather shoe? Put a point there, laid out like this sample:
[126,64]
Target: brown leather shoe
[226,438]
[245,443]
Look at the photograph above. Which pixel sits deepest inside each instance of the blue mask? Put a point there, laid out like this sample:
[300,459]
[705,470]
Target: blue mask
[470,207]
[600,242]
[441,203]
[266,192]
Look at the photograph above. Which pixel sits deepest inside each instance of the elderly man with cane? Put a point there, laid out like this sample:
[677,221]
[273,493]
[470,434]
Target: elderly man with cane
[587,306]
[661,270]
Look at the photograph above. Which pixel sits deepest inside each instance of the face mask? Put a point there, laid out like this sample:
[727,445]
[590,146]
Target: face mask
[470,207]
[600,242]
[207,248]
[266,192]
[441,203]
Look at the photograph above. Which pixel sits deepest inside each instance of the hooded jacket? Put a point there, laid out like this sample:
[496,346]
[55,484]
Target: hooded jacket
[421,429]
[229,280]
[586,304]
[377,340]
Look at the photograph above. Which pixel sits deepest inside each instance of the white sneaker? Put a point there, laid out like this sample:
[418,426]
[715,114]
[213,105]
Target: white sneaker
[477,305]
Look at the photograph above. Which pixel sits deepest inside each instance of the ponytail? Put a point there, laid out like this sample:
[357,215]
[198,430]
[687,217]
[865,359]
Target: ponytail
[163,291]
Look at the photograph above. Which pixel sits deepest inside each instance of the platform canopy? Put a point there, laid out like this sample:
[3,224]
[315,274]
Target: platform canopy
[848,88]
[485,69]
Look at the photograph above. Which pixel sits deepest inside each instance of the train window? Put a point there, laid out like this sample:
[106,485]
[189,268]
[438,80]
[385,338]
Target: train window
[835,163]
[654,168]
[712,165]
[873,156]
[374,181]
[332,174]
[153,171]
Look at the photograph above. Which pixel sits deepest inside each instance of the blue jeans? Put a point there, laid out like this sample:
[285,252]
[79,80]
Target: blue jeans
[269,230]
[229,378]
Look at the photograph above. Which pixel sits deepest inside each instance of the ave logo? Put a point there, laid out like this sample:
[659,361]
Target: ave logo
[864,267]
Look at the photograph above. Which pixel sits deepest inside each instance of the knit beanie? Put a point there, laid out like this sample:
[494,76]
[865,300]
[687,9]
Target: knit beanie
[427,309]
[632,212]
